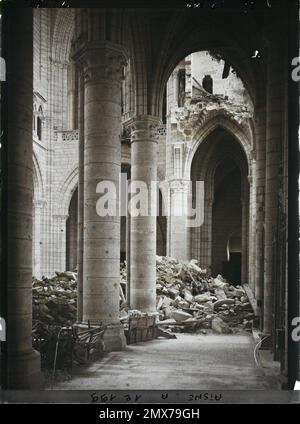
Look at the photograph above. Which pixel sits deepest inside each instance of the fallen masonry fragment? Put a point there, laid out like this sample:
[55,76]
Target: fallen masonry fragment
[188,300]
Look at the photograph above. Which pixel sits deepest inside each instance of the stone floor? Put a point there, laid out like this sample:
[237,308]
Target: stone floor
[203,362]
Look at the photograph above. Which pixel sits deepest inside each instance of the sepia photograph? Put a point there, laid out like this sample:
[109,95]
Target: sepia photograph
[149,202]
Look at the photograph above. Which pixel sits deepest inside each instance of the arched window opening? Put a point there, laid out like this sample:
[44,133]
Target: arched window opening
[207,84]
[39,128]
[181,87]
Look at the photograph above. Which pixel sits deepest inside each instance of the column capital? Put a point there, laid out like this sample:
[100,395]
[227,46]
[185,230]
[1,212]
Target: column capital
[60,217]
[144,128]
[39,204]
[101,60]
[179,185]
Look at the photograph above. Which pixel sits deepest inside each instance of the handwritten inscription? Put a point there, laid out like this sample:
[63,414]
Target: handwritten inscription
[134,397]
[215,4]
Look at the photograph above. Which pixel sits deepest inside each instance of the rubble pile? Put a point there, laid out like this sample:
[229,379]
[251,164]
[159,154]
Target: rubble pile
[187,296]
[53,307]
[54,299]
[188,300]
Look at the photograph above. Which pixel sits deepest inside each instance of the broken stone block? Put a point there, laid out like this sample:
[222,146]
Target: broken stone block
[221,278]
[220,294]
[198,306]
[173,292]
[183,304]
[193,319]
[193,264]
[163,302]
[188,296]
[180,316]
[238,293]
[222,302]
[159,303]
[164,333]
[219,284]
[167,312]
[219,326]
[205,297]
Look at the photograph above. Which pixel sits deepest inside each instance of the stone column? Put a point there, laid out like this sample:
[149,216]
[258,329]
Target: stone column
[128,242]
[103,64]
[260,133]
[38,211]
[252,223]
[275,102]
[245,230]
[143,228]
[22,363]
[179,232]
[80,197]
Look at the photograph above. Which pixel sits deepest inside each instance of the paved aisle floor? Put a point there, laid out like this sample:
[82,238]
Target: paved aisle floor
[203,362]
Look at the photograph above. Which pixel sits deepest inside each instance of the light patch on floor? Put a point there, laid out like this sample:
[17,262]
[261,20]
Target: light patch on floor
[203,362]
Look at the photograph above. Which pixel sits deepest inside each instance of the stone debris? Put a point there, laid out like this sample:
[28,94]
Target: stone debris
[189,300]
[54,300]
[219,326]
[180,315]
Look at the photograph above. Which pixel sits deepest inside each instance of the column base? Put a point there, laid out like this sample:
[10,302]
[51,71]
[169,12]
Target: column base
[24,371]
[114,338]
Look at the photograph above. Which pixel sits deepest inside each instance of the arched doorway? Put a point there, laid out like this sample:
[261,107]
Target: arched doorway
[221,243]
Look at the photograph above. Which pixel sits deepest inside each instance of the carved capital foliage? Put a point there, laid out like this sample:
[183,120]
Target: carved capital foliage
[179,186]
[144,128]
[101,61]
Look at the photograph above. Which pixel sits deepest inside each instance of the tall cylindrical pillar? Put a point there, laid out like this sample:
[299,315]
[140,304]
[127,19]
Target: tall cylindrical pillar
[80,197]
[22,362]
[143,228]
[260,177]
[103,64]
[274,137]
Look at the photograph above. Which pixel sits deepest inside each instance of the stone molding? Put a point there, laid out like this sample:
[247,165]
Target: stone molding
[179,186]
[144,128]
[101,61]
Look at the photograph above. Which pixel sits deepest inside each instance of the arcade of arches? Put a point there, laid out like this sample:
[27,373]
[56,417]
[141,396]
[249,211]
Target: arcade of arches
[165,95]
